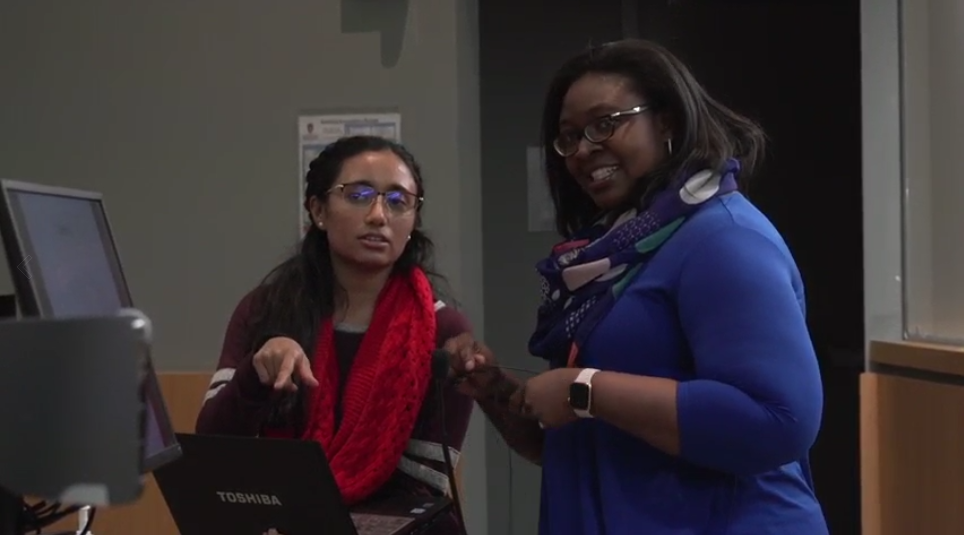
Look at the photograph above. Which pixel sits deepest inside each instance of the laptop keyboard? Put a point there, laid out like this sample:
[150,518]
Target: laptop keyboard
[369,524]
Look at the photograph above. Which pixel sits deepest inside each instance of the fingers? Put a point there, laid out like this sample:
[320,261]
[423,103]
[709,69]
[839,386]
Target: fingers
[453,344]
[282,380]
[461,359]
[468,354]
[518,403]
[305,375]
[282,364]
[264,375]
[466,360]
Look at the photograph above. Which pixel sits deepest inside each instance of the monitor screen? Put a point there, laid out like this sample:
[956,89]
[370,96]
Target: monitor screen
[64,262]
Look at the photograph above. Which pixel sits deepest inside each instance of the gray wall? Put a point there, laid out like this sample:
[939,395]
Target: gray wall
[881,108]
[933,80]
[514,79]
[183,115]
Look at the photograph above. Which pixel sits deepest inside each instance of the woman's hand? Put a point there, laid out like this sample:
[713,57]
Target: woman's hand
[473,366]
[282,364]
[545,397]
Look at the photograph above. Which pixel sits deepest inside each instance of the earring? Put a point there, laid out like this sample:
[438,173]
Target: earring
[408,238]
[321,225]
[669,146]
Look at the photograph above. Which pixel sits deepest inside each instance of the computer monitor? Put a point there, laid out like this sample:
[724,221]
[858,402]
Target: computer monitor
[64,262]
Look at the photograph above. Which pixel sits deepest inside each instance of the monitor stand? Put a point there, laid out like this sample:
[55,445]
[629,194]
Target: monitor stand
[11,513]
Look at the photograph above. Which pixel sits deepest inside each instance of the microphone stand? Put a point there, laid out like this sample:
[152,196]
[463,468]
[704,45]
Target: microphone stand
[440,375]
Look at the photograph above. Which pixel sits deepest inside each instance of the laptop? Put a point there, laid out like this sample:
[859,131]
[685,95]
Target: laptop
[242,485]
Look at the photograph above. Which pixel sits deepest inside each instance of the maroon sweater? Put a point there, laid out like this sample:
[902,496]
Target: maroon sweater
[238,404]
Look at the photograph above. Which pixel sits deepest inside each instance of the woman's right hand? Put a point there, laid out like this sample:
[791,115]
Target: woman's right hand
[282,364]
[473,365]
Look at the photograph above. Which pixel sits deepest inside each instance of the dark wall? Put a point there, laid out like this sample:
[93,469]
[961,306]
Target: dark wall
[792,65]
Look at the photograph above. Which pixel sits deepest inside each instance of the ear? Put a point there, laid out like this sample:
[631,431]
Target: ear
[664,126]
[318,210]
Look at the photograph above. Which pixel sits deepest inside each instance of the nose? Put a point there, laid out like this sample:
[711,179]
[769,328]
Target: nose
[585,148]
[376,213]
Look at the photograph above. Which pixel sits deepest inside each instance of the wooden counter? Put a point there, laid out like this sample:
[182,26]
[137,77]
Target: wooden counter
[912,440]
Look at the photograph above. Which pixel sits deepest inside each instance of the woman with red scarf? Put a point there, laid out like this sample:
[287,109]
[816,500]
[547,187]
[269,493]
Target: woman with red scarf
[335,345]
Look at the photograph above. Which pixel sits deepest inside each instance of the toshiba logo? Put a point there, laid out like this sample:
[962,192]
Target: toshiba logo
[248,498]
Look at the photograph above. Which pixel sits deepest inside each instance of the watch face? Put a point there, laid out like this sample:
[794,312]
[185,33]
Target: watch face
[579,396]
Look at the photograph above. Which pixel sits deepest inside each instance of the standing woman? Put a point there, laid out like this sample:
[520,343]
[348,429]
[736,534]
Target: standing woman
[336,343]
[684,393]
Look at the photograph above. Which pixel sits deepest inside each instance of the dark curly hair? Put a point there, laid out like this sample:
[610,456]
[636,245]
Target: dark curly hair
[705,132]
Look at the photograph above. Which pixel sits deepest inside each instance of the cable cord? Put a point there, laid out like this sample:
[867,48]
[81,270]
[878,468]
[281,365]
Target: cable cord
[511,515]
[42,514]
[510,530]
[447,456]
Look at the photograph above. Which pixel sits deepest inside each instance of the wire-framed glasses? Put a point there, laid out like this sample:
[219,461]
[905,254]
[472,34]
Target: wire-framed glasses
[362,195]
[601,129]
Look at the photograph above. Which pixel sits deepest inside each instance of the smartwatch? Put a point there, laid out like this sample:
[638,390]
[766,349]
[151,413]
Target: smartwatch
[580,393]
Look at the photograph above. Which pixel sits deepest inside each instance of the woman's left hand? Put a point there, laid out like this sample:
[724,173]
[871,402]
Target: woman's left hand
[545,397]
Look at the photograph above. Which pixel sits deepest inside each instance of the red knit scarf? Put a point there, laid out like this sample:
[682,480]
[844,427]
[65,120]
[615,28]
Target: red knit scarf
[385,388]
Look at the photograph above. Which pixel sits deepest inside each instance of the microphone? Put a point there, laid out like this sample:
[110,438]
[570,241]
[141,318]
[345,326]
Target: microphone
[441,363]
[441,360]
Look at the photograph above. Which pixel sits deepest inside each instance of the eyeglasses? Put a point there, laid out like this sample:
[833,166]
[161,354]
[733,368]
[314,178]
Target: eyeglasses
[601,129]
[397,201]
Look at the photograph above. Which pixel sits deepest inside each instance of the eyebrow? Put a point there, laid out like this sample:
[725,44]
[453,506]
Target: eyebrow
[360,182]
[369,183]
[596,112]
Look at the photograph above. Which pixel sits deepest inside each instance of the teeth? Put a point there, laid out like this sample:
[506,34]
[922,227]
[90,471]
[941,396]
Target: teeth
[603,173]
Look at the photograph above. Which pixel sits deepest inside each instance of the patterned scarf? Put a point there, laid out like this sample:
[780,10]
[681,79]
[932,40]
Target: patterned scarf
[583,277]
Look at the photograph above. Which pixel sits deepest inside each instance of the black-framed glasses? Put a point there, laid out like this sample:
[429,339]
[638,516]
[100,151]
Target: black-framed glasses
[601,129]
[397,201]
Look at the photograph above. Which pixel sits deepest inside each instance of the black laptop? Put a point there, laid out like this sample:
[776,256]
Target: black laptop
[241,486]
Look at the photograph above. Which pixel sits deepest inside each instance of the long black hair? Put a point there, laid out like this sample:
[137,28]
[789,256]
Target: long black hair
[705,132]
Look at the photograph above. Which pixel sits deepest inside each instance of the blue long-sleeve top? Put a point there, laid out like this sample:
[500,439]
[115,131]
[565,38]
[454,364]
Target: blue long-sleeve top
[719,308]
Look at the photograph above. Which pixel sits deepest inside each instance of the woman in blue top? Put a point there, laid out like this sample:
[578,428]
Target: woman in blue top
[684,393]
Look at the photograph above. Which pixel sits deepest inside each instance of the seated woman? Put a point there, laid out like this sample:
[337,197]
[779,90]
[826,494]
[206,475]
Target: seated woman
[336,343]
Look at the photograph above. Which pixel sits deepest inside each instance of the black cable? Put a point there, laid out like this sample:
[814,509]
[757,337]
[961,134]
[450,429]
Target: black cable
[34,524]
[441,360]
[34,517]
[510,517]
[511,529]
[447,455]
[57,516]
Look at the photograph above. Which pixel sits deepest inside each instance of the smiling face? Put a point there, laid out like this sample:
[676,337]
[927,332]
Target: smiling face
[370,211]
[609,170]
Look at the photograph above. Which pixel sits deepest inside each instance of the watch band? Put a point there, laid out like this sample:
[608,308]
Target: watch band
[585,378]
